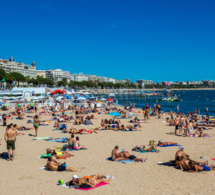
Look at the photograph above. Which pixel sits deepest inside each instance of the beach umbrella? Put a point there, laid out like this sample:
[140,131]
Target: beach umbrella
[114,114]
[103,99]
[81,98]
[109,100]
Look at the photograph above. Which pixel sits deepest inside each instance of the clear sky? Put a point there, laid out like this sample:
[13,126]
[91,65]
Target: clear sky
[136,39]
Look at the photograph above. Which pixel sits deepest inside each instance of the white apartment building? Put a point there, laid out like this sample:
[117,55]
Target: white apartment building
[111,80]
[11,66]
[194,82]
[80,77]
[102,79]
[145,82]
[92,78]
[59,75]
[125,81]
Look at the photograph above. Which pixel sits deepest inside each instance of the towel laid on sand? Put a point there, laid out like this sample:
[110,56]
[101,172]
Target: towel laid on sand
[168,145]
[84,189]
[146,151]
[121,161]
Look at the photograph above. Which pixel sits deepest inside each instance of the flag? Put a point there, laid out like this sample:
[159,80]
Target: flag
[3,80]
[13,83]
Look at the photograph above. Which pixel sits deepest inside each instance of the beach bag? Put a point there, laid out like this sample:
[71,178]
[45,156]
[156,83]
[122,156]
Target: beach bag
[29,121]
[151,142]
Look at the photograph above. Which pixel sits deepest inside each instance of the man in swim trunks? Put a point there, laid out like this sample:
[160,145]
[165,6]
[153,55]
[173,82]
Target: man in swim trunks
[127,156]
[51,165]
[116,156]
[10,139]
[197,168]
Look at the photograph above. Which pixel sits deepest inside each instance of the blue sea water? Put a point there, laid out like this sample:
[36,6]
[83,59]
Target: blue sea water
[191,100]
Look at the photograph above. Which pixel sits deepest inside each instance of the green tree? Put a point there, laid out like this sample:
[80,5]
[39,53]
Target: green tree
[19,77]
[2,74]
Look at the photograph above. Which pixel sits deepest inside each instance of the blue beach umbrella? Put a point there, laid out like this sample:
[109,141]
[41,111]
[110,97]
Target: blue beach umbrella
[114,114]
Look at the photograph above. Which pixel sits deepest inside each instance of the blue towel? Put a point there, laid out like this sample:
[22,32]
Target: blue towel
[169,145]
[146,151]
[121,161]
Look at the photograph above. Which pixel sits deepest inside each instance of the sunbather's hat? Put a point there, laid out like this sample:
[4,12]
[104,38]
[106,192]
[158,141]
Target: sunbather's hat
[75,177]
[61,182]
[160,140]
[4,115]
[180,147]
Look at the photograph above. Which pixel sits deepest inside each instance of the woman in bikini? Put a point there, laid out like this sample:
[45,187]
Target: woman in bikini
[143,148]
[161,143]
[36,124]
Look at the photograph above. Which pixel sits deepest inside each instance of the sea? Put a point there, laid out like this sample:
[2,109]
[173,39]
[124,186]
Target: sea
[190,100]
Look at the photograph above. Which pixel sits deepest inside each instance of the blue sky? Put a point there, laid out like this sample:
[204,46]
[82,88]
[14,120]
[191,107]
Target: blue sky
[136,39]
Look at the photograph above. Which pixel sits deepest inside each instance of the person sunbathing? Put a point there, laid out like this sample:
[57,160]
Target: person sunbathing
[116,156]
[77,121]
[71,141]
[51,165]
[61,153]
[143,148]
[196,168]
[91,181]
[199,132]
[77,144]
[171,122]
[131,128]
[161,143]
[180,155]
[127,155]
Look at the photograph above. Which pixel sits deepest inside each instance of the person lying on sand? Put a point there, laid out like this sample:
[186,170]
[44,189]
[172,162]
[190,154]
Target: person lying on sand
[161,143]
[197,168]
[116,156]
[127,156]
[143,148]
[51,165]
[52,151]
[131,128]
[92,180]
[180,155]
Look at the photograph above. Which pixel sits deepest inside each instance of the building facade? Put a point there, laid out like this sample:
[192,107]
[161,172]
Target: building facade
[11,66]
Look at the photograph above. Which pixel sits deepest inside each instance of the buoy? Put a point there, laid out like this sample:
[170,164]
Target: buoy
[181,100]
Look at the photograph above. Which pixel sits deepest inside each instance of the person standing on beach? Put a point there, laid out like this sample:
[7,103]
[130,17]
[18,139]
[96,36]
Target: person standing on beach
[177,109]
[36,124]
[10,139]
[4,120]
[207,112]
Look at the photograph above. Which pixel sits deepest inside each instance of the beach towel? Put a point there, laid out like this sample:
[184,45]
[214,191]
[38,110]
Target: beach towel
[45,155]
[87,189]
[84,189]
[168,145]
[170,163]
[121,161]
[77,149]
[213,159]
[204,135]
[65,156]
[146,151]
[41,138]
[128,130]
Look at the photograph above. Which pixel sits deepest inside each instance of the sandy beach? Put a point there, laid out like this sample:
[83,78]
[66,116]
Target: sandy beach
[24,176]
